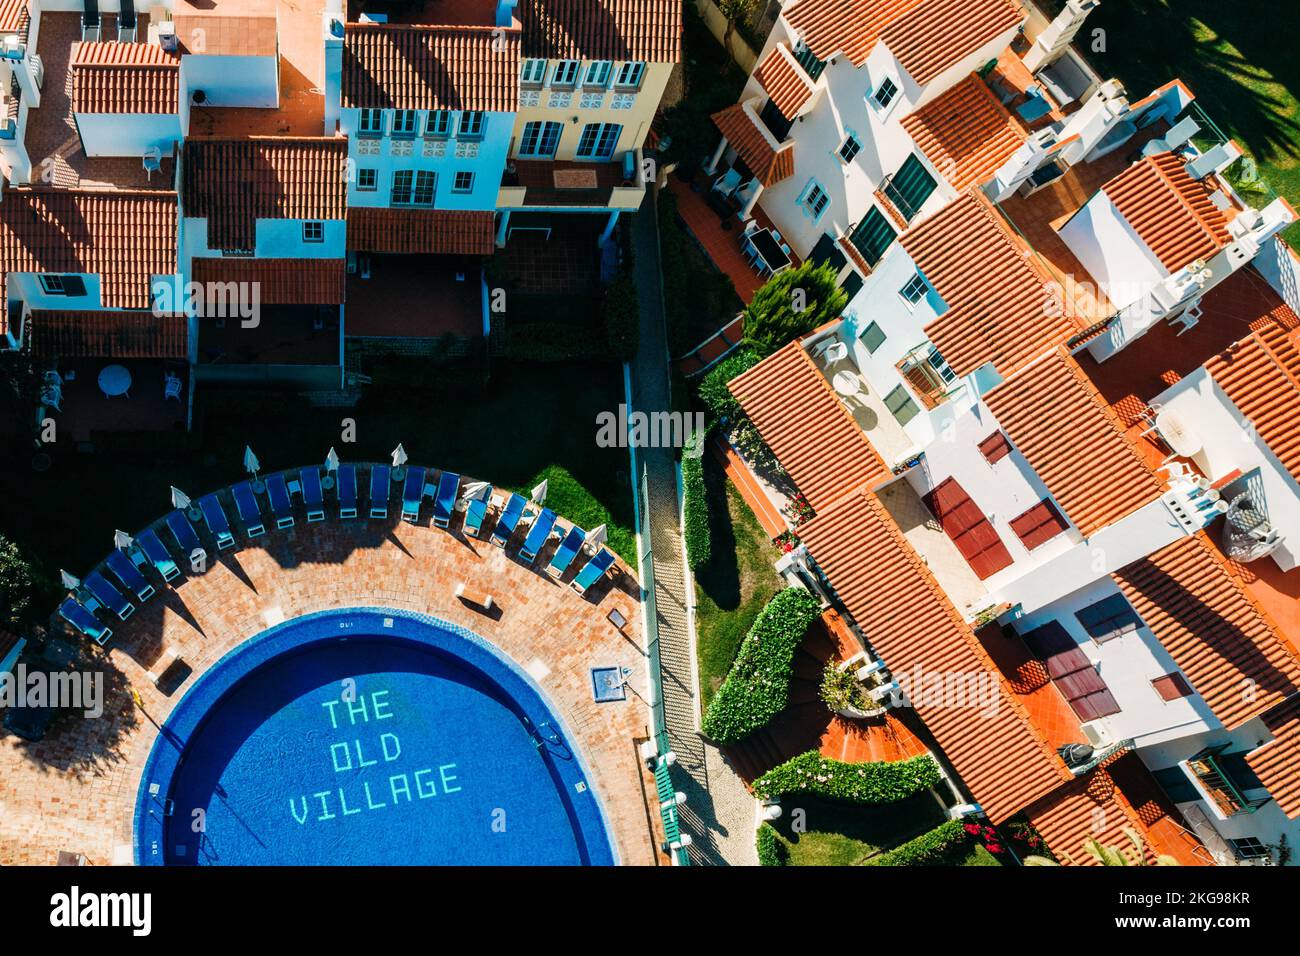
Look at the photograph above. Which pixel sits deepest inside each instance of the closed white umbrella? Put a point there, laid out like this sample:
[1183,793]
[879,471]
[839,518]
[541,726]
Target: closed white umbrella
[399,456]
[332,460]
[122,540]
[597,537]
[476,491]
[539,493]
[251,464]
[70,581]
[179,498]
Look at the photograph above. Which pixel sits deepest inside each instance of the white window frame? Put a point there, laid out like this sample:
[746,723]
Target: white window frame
[408,190]
[814,186]
[456,186]
[405,123]
[313,230]
[532,72]
[477,130]
[542,126]
[911,284]
[849,137]
[425,181]
[565,74]
[598,139]
[375,128]
[52,283]
[884,109]
[630,75]
[596,76]
[438,125]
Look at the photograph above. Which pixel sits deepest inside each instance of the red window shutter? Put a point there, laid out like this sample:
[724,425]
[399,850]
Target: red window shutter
[972,533]
[1039,524]
[995,447]
[1172,686]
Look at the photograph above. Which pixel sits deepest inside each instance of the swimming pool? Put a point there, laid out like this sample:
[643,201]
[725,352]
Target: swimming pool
[366,736]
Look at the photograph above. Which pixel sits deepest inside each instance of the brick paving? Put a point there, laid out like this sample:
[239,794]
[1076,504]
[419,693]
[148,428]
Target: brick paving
[76,790]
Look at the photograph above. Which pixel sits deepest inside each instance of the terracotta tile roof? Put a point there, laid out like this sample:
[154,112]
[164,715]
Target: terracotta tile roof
[785,81]
[912,625]
[1261,376]
[281,281]
[227,27]
[851,27]
[108,334]
[966,134]
[125,78]
[1221,641]
[1073,439]
[124,237]
[803,421]
[768,164]
[1091,808]
[649,30]
[15,17]
[1169,210]
[396,66]
[937,34]
[450,232]
[233,183]
[997,296]
[1277,763]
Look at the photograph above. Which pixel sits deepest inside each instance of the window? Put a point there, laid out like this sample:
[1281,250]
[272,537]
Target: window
[1250,848]
[402,179]
[909,188]
[313,231]
[872,337]
[915,289]
[849,148]
[901,406]
[597,74]
[598,140]
[814,200]
[372,123]
[629,75]
[540,139]
[940,365]
[63,285]
[425,181]
[565,74]
[884,93]
[873,236]
[367,180]
[1071,671]
[404,123]
[439,126]
[1172,687]
[463,183]
[1038,525]
[995,447]
[532,72]
[471,125]
[1109,618]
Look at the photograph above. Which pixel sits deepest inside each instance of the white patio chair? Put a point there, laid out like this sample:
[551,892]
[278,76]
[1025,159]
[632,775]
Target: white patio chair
[171,387]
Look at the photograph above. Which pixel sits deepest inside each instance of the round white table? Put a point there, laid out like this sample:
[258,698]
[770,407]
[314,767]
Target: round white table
[1177,433]
[114,380]
[847,384]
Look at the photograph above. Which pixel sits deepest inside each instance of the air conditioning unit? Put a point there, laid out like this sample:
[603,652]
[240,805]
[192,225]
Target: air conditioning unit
[166,31]
[1095,733]
[14,49]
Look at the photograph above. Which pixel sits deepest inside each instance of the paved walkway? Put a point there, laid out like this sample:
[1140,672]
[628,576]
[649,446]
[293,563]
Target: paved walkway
[719,812]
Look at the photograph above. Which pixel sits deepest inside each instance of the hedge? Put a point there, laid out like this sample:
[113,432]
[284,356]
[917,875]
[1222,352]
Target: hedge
[695,508]
[757,687]
[622,316]
[878,782]
[713,386]
[771,851]
[939,847]
[17,585]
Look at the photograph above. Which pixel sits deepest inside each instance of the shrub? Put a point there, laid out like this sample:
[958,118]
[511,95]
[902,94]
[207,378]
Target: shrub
[945,844]
[554,342]
[713,390]
[878,782]
[771,851]
[841,690]
[757,687]
[17,582]
[774,317]
[695,507]
[622,316]
[745,436]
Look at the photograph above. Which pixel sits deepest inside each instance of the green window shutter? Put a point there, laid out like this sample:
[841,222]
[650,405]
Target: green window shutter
[872,337]
[900,404]
[873,236]
[910,187]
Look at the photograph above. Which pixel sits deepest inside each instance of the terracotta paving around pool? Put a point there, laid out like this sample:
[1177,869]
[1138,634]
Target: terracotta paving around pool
[76,790]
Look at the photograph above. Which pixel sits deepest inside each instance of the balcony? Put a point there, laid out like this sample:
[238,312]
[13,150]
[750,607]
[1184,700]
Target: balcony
[545,183]
[1216,785]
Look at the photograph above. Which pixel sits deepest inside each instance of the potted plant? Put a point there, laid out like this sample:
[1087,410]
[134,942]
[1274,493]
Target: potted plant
[842,693]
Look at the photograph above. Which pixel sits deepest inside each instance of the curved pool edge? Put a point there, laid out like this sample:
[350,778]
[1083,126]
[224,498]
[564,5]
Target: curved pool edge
[468,647]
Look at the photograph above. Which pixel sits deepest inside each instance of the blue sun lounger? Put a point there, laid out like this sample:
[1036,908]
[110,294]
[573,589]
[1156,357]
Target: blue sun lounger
[567,551]
[510,514]
[215,518]
[311,494]
[249,513]
[183,532]
[154,550]
[593,571]
[278,492]
[413,494]
[379,482]
[445,500]
[107,595]
[540,530]
[475,514]
[346,488]
[84,621]
[129,575]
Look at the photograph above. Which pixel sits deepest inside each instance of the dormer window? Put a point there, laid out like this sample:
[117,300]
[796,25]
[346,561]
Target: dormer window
[62,285]
[566,73]
[404,123]
[371,123]
[884,94]
[597,76]
[532,73]
[439,126]
[471,125]
[629,76]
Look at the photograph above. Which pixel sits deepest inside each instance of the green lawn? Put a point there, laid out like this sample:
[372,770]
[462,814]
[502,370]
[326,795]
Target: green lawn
[733,587]
[529,422]
[837,834]
[1237,57]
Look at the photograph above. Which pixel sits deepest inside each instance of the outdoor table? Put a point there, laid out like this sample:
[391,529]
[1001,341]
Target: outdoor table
[114,380]
[847,384]
[1176,432]
[769,250]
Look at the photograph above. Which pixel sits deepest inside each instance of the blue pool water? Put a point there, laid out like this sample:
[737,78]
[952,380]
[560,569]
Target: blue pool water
[366,736]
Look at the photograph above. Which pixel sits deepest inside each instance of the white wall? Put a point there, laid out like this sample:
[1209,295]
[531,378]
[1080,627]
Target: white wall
[251,81]
[273,238]
[105,134]
[1108,247]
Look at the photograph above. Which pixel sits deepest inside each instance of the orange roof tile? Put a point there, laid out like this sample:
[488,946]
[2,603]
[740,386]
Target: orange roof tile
[999,303]
[1169,210]
[233,183]
[966,133]
[226,27]
[768,164]
[1261,376]
[397,66]
[937,34]
[1074,441]
[851,27]
[911,624]
[450,232]
[123,237]
[15,17]
[108,334]
[280,281]
[649,30]
[1221,641]
[1277,763]
[785,81]
[807,427]
[125,78]
[1091,808]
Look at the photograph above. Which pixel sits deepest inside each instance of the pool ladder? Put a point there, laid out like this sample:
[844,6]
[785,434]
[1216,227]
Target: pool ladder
[542,733]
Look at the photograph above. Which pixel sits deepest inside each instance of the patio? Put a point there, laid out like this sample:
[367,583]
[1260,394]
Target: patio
[284,335]
[87,412]
[416,296]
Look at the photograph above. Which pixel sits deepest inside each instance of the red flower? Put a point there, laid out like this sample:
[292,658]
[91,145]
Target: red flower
[993,847]
[972,828]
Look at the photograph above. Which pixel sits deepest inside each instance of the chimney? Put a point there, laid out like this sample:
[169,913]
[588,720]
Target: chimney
[1059,34]
[506,12]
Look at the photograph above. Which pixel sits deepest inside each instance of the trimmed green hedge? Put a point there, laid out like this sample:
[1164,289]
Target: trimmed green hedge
[945,844]
[713,386]
[771,851]
[880,782]
[695,509]
[622,316]
[757,687]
